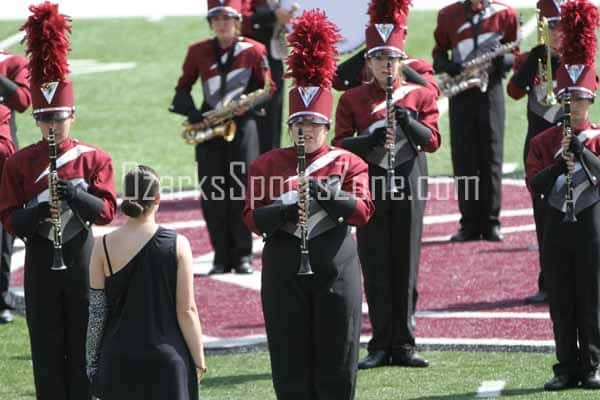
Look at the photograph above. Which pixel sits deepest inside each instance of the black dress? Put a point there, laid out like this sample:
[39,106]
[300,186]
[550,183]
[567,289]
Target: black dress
[143,354]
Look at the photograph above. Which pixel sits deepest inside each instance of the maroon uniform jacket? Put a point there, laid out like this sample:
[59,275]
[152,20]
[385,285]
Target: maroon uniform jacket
[545,149]
[454,32]
[13,67]
[363,109]
[273,177]
[537,92]
[248,71]
[25,177]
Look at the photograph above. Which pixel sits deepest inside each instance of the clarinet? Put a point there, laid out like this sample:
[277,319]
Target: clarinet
[390,126]
[58,263]
[304,200]
[566,130]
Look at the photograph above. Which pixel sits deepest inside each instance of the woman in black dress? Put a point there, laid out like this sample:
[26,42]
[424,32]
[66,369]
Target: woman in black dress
[144,335]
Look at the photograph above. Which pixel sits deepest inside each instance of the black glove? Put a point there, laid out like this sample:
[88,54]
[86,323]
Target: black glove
[336,202]
[379,136]
[402,115]
[66,190]
[538,52]
[272,217]
[503,63]
[542,182]
[576,147]
[417,133]
[441,63]
[25,221]
[7,88]
[289,213]
[195,116]
[85,204]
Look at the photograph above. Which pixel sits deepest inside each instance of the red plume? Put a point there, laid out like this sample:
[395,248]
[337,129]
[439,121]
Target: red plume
[578,26]
[312,60]
[47,43]
[389,11]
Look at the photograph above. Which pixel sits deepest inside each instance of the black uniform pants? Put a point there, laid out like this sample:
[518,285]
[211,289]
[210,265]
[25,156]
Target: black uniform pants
[269,126]
[535,126]
[477,137]
[571,255]
[222,171]
[389,246]
[6,247]
[313,322]
[57,316]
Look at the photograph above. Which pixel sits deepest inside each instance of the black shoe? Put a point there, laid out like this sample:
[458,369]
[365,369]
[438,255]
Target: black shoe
[6,317]
[591,380]
[560,382]
[374,359]
[493,234]
[244,268]
[538,298]
[217,269]
[408,358]
[464,235]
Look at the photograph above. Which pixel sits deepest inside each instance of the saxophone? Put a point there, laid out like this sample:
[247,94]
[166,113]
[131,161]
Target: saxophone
[545,71]
[58,263]
[219,122]
[474,74]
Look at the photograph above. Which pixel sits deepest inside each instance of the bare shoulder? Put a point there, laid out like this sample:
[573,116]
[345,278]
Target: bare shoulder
[183,245]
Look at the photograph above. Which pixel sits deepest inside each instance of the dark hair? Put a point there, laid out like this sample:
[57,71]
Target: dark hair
[141,187]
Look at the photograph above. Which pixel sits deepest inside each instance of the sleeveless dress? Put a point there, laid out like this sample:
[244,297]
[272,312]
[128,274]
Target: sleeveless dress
[143,354]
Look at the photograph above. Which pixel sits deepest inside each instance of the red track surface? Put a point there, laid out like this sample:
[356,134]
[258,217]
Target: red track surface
[476,276]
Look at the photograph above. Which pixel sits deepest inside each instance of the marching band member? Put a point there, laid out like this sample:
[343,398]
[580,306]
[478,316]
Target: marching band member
[14,96]
[542,113]
[228,65]
[468,29]
[354,71]
[390,244]
[563,169]
[81,193]
[312,320]
[265,21]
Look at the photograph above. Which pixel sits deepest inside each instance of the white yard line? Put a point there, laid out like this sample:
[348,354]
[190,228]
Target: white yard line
[11,40]
[445,218]
[506,230]
[490,389]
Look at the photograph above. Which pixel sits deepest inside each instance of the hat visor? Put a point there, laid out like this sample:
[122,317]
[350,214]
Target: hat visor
[229,11]
[386,51]
[312,119]
[49,116]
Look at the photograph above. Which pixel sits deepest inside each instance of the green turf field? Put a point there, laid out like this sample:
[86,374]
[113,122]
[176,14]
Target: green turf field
[452,376]
[125,112]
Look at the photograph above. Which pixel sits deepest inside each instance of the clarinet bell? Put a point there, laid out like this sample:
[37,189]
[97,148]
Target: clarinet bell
[305,268]
[569,217]
[58,264]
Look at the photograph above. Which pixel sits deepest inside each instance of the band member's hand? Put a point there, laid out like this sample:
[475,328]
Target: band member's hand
[195,117]
[320,190]
[66,190]
[201,371]
[379,136]
[290,213]
[403,115]
[576,146]
[283,15]
[565,143]
[44,212]
[538,52]
[452,68]
[53,212]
